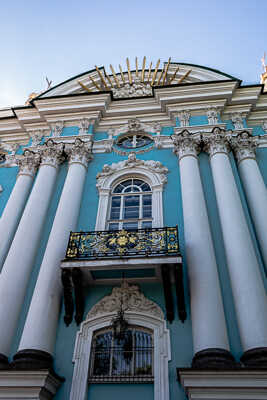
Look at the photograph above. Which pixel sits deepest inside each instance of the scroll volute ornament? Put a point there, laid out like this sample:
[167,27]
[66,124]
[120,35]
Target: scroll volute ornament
[52,153]
[79,152]
[244,145]
[186,144]
[216,142]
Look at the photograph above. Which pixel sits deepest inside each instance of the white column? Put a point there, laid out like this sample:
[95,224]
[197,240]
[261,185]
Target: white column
[20,259]
[41,324]
[208,320]
[248,290]
[256,192]
[16,202]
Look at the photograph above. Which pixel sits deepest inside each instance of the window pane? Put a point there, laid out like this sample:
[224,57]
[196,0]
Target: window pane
[145,188]
[146,224]
[118,189]
[115,207]
[130,201]
[130,226]
[147,212]
[113,227]
[137,182]
[147,199]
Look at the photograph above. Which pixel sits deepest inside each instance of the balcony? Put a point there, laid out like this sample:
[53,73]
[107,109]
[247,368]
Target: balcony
[148,255]
[151,242]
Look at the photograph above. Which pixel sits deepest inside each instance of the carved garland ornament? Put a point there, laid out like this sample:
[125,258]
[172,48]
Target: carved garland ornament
[132,162]
[130,298]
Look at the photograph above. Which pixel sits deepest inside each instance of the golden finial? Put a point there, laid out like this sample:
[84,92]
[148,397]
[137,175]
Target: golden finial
[143,69]
[96,85]
[114,76]
[122,75]
[174,75]
[101,78]
[149,71]
[84,87]
[129,71]
[166,71]
[184,76]
[160,76]
[155,73]
[110,81]
[136,67]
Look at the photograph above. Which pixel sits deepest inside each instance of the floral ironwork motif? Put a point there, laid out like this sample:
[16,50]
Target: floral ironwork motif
[123,243]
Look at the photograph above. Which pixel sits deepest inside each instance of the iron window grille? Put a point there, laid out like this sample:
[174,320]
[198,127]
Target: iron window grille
[118,361]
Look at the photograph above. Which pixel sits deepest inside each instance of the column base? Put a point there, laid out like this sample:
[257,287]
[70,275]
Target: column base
[214,359]
[4,364]
[255,358]
[31,359]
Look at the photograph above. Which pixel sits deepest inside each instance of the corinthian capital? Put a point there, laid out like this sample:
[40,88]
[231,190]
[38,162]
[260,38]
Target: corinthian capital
[51,153]
[28,163]
[79,152]
[186,144]
[244,146]
[216,142]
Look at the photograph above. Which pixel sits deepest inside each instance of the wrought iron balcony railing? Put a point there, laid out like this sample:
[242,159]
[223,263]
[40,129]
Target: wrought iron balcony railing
[109,244]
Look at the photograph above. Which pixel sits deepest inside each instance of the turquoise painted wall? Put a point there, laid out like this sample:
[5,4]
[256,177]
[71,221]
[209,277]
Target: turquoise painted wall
[181,336]
[7,181]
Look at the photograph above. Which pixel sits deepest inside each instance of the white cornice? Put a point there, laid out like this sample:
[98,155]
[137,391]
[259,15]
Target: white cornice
[28,385]
[224,384]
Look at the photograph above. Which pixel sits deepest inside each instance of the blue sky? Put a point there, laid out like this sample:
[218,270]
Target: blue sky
[61,39]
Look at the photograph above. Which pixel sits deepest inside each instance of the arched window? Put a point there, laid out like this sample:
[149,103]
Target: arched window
[130,195]
[129,359]
[130,205]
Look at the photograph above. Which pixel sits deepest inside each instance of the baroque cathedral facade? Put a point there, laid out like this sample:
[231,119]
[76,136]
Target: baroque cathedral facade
[133,252]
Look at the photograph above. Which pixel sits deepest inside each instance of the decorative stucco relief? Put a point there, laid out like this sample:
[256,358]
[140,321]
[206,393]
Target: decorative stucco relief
[132,162]
[129,298]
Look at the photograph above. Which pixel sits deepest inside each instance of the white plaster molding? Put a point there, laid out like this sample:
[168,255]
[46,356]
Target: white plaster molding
[79,152]
[244,146]
[224,384]
[184,117]
[212,115]
[237,120]
[51,153]
[151,171]
[264,126]
[136,89]
[162,352]
[57,128]
[28,163]
[1,189]
[36,136]
[28,385]
[134,126]
[132,299]
[206,128]
[84,125]
[216,142]
[186,144]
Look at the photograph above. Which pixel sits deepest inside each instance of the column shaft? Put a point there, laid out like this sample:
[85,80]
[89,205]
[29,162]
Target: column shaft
[208,321]
[40,328]
[16,202]
[247,285]
[19,262]
[256,194]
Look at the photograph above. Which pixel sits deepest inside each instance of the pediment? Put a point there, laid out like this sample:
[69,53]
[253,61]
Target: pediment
[140,82]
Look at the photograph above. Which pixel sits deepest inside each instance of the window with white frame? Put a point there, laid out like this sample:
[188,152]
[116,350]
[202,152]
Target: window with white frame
[130,205]
[129,359]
